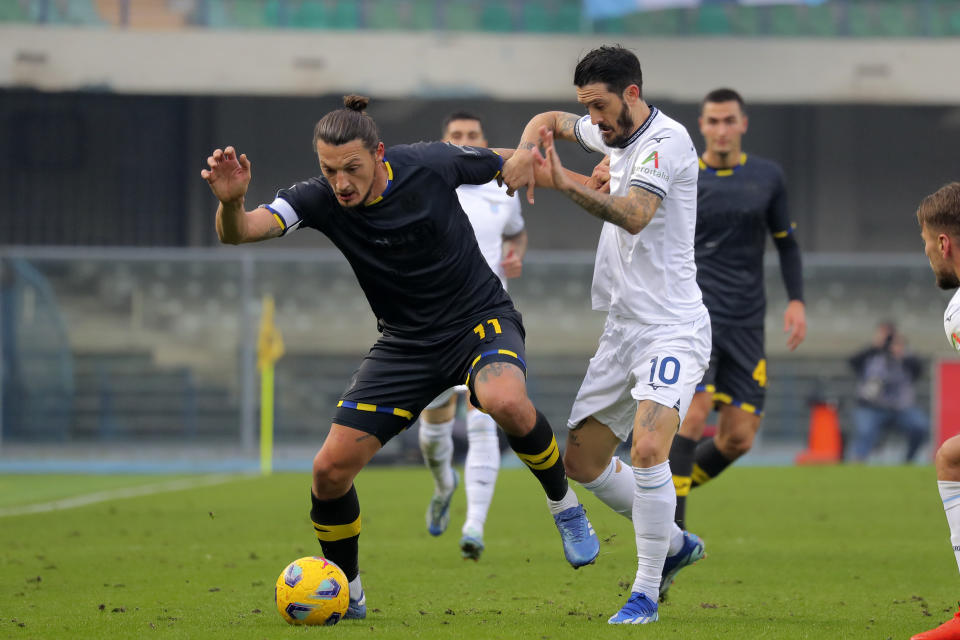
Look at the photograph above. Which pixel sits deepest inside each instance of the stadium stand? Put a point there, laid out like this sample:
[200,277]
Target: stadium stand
[832,18]
[155,343]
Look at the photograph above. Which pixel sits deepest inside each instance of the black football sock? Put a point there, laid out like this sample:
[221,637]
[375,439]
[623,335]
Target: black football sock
[708,462]
[681,466]
[539,451]
[337,524]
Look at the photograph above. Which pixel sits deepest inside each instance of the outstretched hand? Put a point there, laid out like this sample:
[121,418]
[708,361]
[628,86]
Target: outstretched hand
[518,172]
[228,175]
[600,178]
[550,160]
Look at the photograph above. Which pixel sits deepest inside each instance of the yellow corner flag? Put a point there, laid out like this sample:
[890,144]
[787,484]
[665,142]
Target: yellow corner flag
[269,350]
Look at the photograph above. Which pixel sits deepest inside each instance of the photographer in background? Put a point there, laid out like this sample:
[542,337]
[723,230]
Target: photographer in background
[886,397]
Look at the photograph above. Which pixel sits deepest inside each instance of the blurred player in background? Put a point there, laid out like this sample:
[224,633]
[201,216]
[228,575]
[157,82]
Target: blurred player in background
[656,342]
[444,316]
[939,217]
[740,200]
[498,223]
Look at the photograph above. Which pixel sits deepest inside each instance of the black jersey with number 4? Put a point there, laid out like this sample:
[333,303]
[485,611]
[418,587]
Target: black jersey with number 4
[736,209]
[413,250]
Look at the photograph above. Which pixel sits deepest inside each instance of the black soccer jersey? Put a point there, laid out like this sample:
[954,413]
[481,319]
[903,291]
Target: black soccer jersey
[736,208]
[413,250]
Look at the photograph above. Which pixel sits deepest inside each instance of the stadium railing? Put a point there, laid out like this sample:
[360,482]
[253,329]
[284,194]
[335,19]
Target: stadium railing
[828,19]
[130,348]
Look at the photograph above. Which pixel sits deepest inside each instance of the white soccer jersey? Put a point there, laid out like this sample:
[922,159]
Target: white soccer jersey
[951,321]
[650,276]
[493,214]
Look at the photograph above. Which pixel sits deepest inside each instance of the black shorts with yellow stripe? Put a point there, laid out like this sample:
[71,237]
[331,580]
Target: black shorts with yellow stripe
[401,375]
[738,368]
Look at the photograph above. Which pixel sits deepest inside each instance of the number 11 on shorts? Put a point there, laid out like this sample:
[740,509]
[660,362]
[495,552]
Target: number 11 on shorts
[668,371]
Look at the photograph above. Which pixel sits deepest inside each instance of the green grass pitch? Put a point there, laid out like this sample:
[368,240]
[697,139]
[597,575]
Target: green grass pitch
[836,552]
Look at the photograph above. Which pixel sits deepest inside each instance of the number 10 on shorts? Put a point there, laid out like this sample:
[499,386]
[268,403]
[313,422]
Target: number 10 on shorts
[668,370]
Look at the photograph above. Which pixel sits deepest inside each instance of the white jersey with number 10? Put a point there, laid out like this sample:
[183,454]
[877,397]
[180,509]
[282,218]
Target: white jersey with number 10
[650,276]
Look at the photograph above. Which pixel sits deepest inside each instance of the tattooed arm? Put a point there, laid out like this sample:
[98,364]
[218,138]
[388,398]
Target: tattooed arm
[518,171]
[560,123]
[631,212]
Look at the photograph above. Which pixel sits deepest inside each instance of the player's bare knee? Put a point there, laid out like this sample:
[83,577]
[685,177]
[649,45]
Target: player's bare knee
[580,468]
[645,452]
[574,468]
[948,460]
[329,480]
[512,411]
[735,445]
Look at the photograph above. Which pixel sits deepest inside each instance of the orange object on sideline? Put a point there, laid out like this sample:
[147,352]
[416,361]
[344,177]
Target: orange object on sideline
[949,630]
[825,442]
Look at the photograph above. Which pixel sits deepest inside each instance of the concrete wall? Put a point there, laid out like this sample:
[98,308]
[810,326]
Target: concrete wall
[434,64]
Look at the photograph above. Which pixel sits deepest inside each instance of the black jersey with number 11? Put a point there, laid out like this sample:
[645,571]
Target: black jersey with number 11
[412,249]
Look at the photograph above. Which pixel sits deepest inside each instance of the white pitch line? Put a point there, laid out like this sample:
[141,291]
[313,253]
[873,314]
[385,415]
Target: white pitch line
[117,494]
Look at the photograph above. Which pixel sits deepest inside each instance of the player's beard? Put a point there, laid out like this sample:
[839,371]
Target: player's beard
[625,125]
[946,279]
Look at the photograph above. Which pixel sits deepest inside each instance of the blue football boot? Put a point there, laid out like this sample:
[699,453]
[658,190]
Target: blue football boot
[580,542]
[639,610]
[691,551]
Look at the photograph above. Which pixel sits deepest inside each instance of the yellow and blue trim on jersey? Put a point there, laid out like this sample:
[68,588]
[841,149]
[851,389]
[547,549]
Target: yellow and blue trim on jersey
[386,189]
[497,174]
[725,398]
[784,234]
[362,406]
[278,218]
[723,173]
[493,352]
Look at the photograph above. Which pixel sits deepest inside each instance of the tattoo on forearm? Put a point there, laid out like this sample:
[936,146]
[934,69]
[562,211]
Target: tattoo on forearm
[632,212]
[528,145]
[600,205]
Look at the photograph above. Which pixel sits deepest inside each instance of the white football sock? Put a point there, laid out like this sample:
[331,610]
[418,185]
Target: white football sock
[950,494]
[676,540]
[568,501]
[615,487]
[480,469]
[436,445]
[355,588]
[654,504]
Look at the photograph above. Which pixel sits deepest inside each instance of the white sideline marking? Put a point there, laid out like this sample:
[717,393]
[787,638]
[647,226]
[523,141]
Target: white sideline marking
[116,494]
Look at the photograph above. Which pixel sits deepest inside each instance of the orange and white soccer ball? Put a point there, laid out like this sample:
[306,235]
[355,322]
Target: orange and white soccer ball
[312,591]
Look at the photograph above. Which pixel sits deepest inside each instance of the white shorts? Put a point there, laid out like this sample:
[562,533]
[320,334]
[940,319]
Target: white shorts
[634,362]
[442,399]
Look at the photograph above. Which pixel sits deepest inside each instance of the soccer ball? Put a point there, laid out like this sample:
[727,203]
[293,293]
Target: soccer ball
[312,591]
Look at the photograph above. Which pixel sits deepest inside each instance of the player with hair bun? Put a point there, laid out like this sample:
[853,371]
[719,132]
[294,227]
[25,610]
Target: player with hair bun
[444,316]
